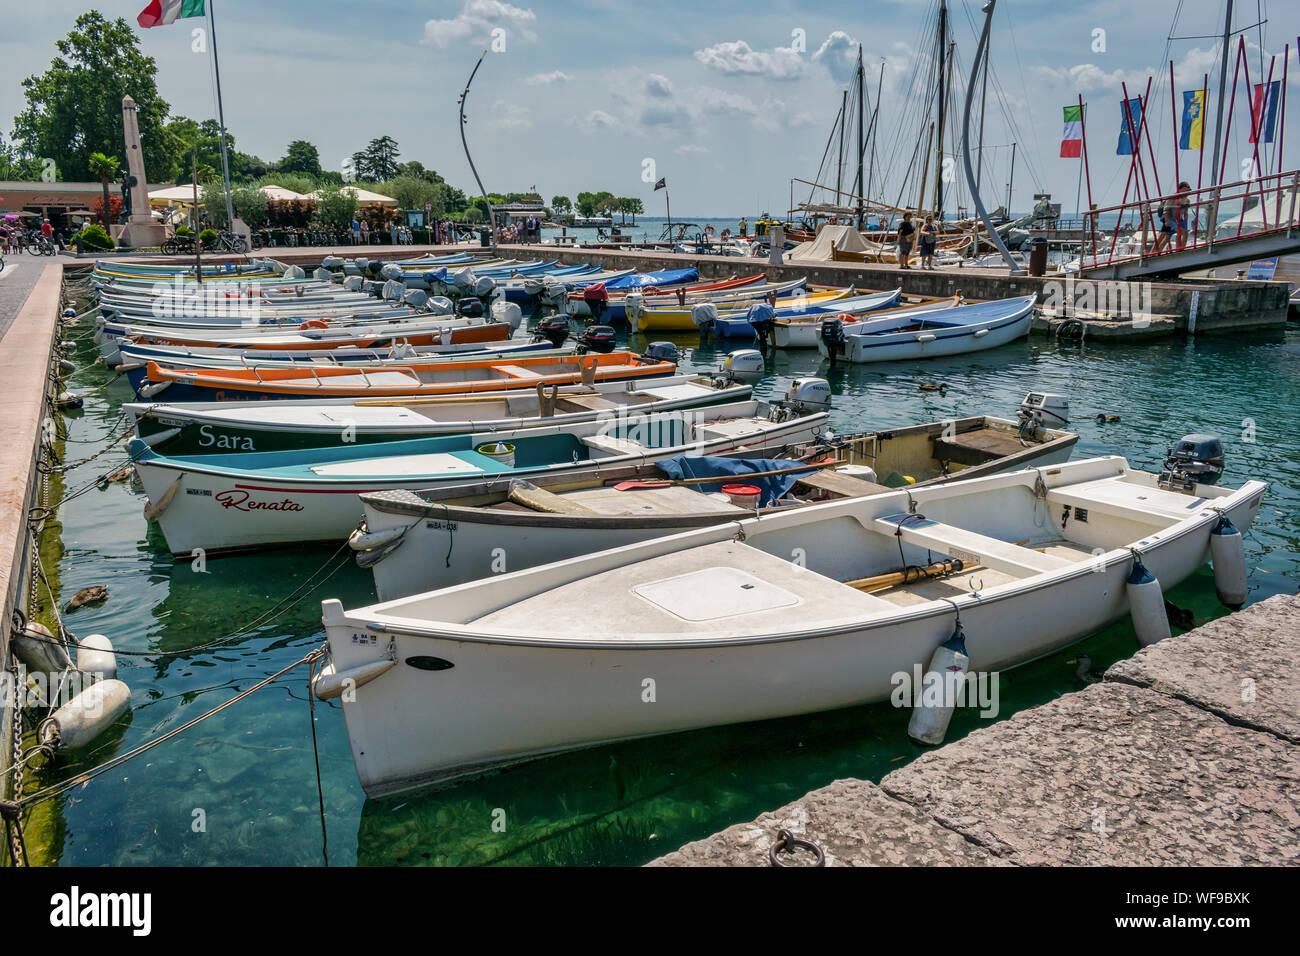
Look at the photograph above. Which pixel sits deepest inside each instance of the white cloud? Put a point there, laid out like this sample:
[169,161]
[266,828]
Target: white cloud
[737,57]
[715,101]
[690,148]
[775,116]
[506,115]
[660,86]
[839,54]
[599,120]
[476,21]
[546,79]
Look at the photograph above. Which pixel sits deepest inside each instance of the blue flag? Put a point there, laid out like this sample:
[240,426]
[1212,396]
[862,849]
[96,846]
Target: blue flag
[1128,136]
[1193,133]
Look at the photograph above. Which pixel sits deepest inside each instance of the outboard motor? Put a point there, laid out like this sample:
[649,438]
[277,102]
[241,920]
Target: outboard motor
[555,330]
[441,305]
[532,286]
[462,283]
[392,290]
[374,269]
[807,395]
[597,338]
[332,263]
[762,317]
[484,287]
[1195,459]
[353,283]
[833,337]
[391,270]
[1041,410]
[662,352]
[415,298]
[743,364]
[554,295]
[597,298]
[470,307]
[507,313]
[703,315]
[370,287]
[437,280]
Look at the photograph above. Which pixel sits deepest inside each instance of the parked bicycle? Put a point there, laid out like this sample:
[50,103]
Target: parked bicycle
[39,244]
[178,245]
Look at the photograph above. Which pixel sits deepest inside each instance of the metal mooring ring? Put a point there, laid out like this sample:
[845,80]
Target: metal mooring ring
[787,842]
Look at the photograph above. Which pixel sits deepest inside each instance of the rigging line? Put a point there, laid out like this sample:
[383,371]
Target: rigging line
[1038,147]
[55,790]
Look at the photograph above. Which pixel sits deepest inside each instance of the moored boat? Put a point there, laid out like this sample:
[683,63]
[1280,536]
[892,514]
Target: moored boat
[759,618]
[931,333]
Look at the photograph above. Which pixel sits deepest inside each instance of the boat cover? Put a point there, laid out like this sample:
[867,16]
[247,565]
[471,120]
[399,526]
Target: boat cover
[732,471]
[644,280]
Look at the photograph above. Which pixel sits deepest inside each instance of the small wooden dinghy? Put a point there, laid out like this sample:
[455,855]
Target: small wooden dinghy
[757,618]
[415,379]
[225,502]
[566,517]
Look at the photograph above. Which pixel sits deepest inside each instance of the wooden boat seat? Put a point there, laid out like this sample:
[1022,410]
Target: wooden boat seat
[977,446]
[585,403]
[614,446]
[516,371]
[969,546]
[1118,501]
[846,486]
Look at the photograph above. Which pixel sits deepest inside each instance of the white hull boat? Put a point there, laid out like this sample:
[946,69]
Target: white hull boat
[223,503]
[953,331]
[754,620]
[464,532]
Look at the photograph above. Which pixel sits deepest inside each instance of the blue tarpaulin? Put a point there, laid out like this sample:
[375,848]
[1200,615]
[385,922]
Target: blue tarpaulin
[643,280]
[735,471]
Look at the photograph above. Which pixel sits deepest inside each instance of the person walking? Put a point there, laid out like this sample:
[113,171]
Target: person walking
[356,232]
[1184,212]
[929,236]
[906,236]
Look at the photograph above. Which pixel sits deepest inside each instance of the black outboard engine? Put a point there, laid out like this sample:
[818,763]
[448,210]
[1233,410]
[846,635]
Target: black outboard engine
[470,307]
[762,318]
[597,298]
[1195,459]
[597,338]
[832,336]
[555,330]
[662,352]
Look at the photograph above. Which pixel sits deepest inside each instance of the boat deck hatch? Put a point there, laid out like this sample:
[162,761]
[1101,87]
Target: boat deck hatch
[713,593]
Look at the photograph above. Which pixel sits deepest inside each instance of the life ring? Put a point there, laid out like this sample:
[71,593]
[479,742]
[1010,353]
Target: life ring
[652,290]
[314,324]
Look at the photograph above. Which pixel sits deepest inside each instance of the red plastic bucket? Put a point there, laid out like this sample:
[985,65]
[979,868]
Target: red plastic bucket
[743,496]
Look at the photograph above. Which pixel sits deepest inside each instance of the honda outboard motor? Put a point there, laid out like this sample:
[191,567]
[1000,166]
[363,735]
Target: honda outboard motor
[470,307]
[744,364]
[597,338]
[833,337]
[662,352]
[555,330]
[597,298]
[809,395]
[762,317]
[1195,459]
[1042,410]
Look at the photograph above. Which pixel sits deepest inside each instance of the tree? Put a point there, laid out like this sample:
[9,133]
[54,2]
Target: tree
[250,205]
[105,169]
[300,157]
[335,206]
[413,193]
[562,205]
[74,108]
[184,134]
[416,169]
[378,161]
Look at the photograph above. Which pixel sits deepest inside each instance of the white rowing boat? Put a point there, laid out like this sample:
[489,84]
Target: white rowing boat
[754,619]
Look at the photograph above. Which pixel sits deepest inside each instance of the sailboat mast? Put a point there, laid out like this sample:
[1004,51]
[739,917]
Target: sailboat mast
[942,79]
[861,107]
[1223,100]
[875,113]
[839,173]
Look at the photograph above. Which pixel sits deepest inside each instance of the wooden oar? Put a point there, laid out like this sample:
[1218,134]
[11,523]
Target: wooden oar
[736,479]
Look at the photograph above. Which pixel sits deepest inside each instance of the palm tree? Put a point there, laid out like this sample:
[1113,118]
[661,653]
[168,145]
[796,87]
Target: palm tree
[106,168]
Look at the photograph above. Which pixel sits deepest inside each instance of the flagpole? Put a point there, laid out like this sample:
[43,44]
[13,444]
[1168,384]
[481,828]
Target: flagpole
[1173,116]
[669,204]
[221,117]
[1087,175]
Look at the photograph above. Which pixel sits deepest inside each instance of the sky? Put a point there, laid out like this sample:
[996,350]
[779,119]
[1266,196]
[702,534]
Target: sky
[726,100]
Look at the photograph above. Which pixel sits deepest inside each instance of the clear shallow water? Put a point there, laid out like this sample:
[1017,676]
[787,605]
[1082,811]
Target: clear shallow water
[251,769]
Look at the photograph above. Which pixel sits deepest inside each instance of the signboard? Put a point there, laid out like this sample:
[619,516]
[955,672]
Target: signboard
[414,220]
[428,208]
[1262,269]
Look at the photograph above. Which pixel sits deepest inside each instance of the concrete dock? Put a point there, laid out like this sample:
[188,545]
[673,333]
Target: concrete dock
[1185,754]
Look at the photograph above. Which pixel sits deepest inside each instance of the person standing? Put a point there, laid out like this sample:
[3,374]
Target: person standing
[744,227]
[929,236]
[906,236]
[1184,212]
[356,232]
[365,232]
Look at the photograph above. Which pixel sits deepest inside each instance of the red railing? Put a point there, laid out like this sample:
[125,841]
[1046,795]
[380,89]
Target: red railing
[1147,229]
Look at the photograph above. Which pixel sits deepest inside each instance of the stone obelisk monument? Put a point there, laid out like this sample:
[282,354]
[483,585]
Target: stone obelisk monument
[140,229]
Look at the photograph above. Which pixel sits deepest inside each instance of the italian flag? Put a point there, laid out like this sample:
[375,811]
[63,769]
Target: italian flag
[159,13]
[1072,138]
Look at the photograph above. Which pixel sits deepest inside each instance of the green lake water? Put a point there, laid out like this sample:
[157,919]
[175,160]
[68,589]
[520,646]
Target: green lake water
[249,774]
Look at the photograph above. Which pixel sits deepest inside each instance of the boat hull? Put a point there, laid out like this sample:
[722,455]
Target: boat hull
[556,689]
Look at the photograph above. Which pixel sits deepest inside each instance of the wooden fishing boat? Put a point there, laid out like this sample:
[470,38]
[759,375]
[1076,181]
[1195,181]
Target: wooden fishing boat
[804,331]
[735,325]
[413,380]
[621,300]
[932,334]
[202,427]
[235,502]
[560,517]
[757,618]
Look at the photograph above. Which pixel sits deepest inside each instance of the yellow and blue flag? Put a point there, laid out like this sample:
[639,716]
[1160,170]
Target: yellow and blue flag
[1193,134]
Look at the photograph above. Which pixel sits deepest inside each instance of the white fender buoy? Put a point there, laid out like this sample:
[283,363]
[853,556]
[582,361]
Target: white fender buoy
[86,716]
[1146,602]
[360,540]
[1228,555]
[40,651]
[153,388]
[330,684]
[152,512]
[95,656]
[67,400]
[926,337]
[947,670]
